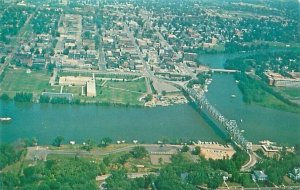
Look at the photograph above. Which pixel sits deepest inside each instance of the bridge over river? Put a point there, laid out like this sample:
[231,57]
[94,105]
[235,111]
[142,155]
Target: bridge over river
[229,125]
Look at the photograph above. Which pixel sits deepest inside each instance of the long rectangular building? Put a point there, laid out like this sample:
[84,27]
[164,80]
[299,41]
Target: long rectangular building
[91,88]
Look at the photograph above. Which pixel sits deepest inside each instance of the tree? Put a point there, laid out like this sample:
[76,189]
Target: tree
[105,141]
[139,152]
[86,47]
[44,51]
[37,52]
[107,160]
[118,180]
[163,92]
[123,159]
[8,155]
[57,141]
[160,160]
[3,59]
[4,97]
[214,182]
[185,148]
[50,67]
[8,180]
[66,51]
[297,149]
[52,52]
[44,99]
[32,49]
[88,145]
[148,98]
[196,151]
[23,97]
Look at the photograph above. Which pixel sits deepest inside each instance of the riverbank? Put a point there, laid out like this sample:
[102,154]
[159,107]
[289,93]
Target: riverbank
[109,91]
[257,92]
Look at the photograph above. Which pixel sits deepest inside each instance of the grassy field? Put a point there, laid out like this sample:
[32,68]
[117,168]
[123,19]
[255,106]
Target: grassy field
[17,80]
[134,86]
[292,92]
[76,90]
[117,92]
[268,100]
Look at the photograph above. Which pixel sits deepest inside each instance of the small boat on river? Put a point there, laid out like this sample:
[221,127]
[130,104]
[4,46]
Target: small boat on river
[5,119]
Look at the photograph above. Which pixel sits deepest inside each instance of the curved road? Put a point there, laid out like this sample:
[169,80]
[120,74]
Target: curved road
[253,159]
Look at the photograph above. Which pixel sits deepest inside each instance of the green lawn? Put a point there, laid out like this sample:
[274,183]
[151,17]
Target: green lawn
[107,94]
[76,90]
[292,92]
[268,100]
[138,85]
[17,80]
[119,92]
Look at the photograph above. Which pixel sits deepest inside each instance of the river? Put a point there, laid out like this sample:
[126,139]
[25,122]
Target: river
[259,123]
[81,122]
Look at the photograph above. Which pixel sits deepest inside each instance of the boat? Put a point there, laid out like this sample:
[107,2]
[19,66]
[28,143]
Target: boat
[5,119]
[233,96]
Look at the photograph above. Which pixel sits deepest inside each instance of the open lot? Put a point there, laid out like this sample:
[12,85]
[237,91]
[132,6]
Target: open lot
[134,86]
[292,92]
[119,92]
[76,90]
[17,80]
[216,151]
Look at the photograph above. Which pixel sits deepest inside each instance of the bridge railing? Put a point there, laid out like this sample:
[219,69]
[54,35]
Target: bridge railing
[230,125]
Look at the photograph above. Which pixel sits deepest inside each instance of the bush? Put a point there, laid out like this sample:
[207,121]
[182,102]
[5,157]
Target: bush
[23,97]
[4,97]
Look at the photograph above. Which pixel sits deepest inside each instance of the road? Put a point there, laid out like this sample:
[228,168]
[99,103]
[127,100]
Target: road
[41,152]
[14,44]
[253,160]
[101,72]
[101,60]
[147,70]
[165,43]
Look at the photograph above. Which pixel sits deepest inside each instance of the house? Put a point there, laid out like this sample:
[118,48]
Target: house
[23,58]
[38,62]
[295,174]
[259,176]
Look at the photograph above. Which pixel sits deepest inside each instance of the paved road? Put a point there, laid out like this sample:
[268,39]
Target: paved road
[251,163]
[101,72]
[165,43]
[39,152]
[42,152]
[16,46]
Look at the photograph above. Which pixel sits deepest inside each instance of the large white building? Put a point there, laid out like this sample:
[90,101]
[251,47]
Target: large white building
[276,79]
[91,88]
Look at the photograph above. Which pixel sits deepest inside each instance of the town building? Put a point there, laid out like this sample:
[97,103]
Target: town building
[295,174]
[259,176]
[91,88]
[276,79]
